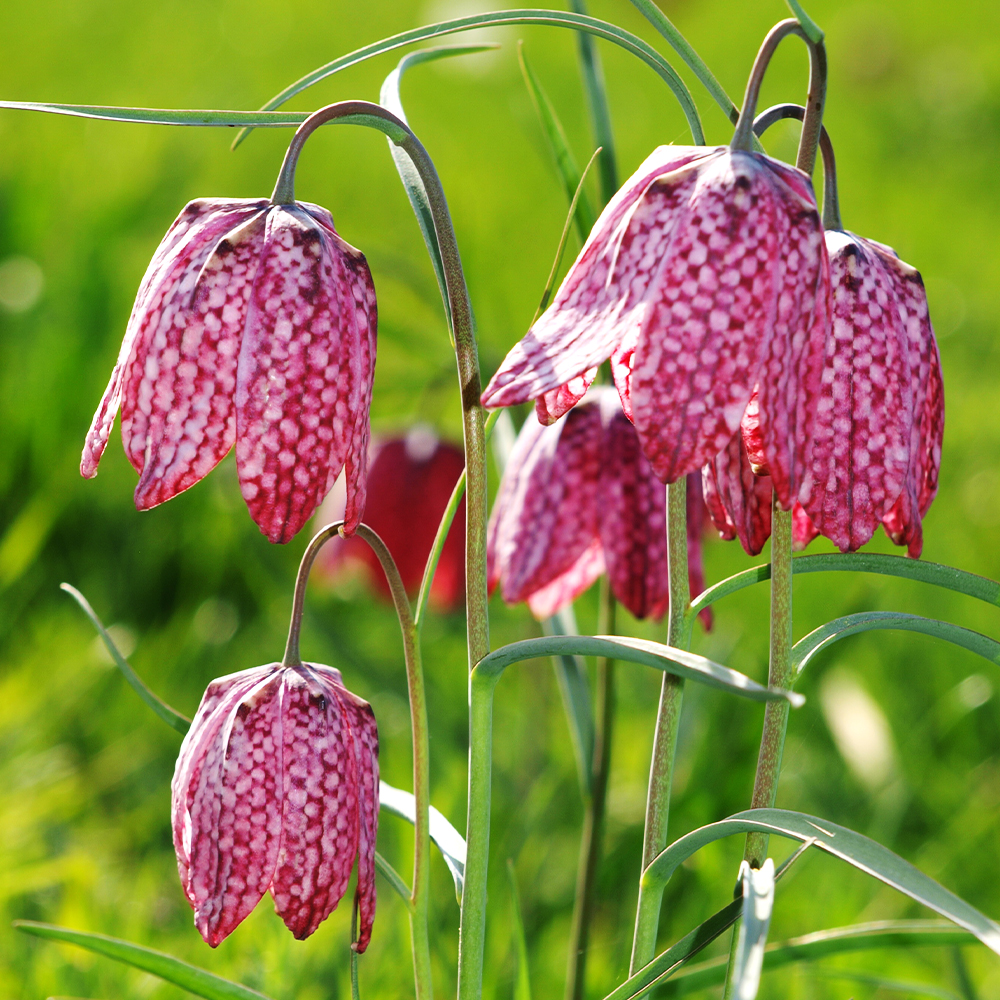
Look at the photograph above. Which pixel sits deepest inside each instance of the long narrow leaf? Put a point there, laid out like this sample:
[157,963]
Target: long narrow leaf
[652,654]
[562,155]
[166,116]
[857,850]
[839,940]
[563,19]
[449,841]
[807,647]
[758,901]
[169,715]
[390,98]
[173,970]
[893,985]
[809,26]
[936,574]
[393,878]
[522,983]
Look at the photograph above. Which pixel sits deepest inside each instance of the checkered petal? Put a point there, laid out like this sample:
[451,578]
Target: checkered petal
[698,519]
[739,501]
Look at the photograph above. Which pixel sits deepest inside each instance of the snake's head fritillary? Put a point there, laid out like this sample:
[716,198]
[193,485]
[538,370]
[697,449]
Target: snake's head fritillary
[276,789]
[254,325]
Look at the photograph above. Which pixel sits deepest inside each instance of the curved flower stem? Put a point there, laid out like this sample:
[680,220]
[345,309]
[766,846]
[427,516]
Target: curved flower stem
[661,771]
[418,721]
[594,807]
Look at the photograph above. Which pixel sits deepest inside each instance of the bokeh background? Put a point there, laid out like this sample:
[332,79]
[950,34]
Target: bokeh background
[900,738]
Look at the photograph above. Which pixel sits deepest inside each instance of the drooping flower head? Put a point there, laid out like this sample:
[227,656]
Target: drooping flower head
[577,498]
[255,324]
[410,480]
[276,789]
[705,277]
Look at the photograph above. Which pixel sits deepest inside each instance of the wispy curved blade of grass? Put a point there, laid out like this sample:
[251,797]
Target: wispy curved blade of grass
[390,98]
[166,116]
[936,574]
[562,19]
[158,963]
[565,162]
[880,983]
[863,853]
[522,984]
[393,878]
[821,944]
[809,26]
[807,647]
[170,716]
[691,666]
[449,841]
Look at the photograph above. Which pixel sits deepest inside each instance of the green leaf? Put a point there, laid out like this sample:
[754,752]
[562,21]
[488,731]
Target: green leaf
[522,984]
[893,985]
[935,574]
[758,901]
[839,940]
[574,687]
[169,715]
[173,970]
[565,162]
[449,841]
[652,654]
[389,98]
[807,647]
[809,26]
[393,878]
[165,116]
[563,19]
[861,852]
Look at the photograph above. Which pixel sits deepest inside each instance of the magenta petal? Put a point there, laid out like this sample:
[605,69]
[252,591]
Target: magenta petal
[545,515]
[632,515]
[569,585]
[803,529]
[697,515]
[304,375]
[745,498]
[598,298]
[858,433]
[714,304]
[550,406]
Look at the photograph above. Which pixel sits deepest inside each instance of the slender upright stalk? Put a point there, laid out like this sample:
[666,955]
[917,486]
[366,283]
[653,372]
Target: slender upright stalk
[661,771]
[594,807]
[418,719]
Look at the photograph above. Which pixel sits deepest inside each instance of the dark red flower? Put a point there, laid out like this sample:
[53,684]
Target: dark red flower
[276,789]
[578,497]
[255,325]
[705,276]
[410,481]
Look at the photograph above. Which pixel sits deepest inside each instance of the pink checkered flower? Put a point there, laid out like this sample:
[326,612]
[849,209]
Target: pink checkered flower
[577,498]
[276,789]
[705,276]
[255,324]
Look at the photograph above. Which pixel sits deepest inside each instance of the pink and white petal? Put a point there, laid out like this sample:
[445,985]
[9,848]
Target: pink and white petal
[548,517]
[182,418]
[294,425]
[753,438]
[550,406]
[235,813]
[717,512]
[803,529]
[746,498]
[712,306]
[858,433]
[632,514]
[621,369]
[569,585]
[597,300]
[199,225]
[697,515]
[319,797]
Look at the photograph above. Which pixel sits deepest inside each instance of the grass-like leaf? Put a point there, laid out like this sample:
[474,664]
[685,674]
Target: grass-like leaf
[166,116]
[449,841]
[863,853]
[936,574]
[652,654]
[169,715]
[758,902]
[393,878]
[840,628]
[810,947]
[173,970]
[809,26]
[522,983]
[880,983]
[562,19]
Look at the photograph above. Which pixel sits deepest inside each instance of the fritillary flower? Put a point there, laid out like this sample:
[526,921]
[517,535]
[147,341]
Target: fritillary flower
[276,789]
[254,325]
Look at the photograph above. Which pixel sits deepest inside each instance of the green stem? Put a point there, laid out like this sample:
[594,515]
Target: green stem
[594,807]
[647,918]
[418,721]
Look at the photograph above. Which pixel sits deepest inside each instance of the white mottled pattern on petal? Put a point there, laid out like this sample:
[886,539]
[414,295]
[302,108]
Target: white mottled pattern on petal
[569,585]
[738,501]
[598,299]
[550,406]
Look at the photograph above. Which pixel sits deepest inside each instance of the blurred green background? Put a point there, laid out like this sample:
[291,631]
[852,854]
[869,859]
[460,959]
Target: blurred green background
[900,738]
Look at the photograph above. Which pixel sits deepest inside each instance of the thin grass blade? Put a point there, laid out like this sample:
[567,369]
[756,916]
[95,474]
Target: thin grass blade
[522,982]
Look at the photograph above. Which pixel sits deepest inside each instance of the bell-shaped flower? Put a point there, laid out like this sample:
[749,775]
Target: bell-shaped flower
[255,324]
[705,276]
[276,789]
[410,481]
[578,497]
